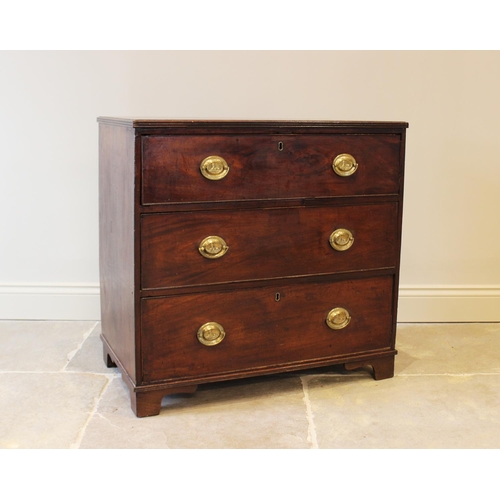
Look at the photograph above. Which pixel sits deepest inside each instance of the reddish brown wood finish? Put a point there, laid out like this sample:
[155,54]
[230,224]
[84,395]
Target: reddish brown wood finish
[276,210]
[148,403]
[116,242]
[260,330]
[265,244]
[382,367]
[259,170]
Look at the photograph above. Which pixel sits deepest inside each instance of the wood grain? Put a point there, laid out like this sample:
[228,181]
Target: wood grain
[258,170]
[275,286]
[265,244]
[116,242]
[261,331]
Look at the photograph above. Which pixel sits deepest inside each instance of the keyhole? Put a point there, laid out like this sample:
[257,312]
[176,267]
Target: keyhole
[277,297]
[280,146]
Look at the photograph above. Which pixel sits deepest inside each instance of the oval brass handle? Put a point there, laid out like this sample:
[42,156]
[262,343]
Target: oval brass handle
[341,239]
[214,168]
[213,247]
[338,318]
[211,333]
[344,165]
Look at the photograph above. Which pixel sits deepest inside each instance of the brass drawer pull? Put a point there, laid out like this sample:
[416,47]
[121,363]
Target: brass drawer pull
[213,247]
[338,318]
[341,239]
[344,165]
[211,333]
[214,168]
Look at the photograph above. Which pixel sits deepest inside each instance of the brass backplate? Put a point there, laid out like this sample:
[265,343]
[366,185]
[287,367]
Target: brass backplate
[213,247]
[211,333]
[341,239]
[338,318]
[344,165]
[214,168]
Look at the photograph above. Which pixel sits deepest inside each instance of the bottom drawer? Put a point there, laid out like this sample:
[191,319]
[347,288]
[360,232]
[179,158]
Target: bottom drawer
[258,328]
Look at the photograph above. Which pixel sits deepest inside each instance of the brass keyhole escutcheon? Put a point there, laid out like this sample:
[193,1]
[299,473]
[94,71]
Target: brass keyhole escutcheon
[280,146]
[213,247]
[344,165]
[214,168]
[338,318]
[211,333]
[341,239]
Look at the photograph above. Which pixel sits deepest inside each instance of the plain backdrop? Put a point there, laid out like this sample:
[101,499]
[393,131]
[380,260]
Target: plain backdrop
[49,102]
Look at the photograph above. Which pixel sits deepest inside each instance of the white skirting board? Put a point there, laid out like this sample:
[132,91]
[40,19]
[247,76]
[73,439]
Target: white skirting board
[449,304]
[417,304]
[68,301]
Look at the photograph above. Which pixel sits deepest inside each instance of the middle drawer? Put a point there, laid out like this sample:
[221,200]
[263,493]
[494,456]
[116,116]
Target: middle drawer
[197,248]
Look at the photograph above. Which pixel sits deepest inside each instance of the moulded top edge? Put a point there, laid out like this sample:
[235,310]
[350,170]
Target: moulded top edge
[185,123]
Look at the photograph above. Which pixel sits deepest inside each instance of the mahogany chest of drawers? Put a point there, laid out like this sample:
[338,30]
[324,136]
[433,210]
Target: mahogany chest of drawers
[231,249]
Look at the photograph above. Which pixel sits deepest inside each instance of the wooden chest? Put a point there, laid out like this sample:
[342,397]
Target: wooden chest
[231,249]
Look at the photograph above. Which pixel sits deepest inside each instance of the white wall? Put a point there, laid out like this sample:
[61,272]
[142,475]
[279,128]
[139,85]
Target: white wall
[49,102]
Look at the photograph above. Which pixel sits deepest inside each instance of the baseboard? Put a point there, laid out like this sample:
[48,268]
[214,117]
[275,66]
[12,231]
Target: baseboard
[68,301]
[417,304]
[449,304]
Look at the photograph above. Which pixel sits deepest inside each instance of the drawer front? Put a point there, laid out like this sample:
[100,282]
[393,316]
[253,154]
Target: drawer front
[263,327]
[267,167]
[265,243]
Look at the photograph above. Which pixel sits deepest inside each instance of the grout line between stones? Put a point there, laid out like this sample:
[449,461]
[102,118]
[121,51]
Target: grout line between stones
[72,353]
[81,433]
[58,372]
[470,374]
[311,429]
[397,375]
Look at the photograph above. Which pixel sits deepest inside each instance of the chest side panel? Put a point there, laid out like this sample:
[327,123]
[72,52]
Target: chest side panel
[116,242]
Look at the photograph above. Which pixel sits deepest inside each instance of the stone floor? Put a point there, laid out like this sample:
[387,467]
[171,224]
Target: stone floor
[55,392]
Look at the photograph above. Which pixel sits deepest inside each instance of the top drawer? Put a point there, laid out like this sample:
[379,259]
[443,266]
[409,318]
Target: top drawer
[267,167]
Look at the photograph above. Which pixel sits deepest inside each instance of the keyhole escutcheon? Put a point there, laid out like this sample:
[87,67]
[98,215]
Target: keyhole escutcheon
[280,146]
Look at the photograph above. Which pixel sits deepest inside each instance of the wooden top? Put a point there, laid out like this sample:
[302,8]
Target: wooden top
[155,123]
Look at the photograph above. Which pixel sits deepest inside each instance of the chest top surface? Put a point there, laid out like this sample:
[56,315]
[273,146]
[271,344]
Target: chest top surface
[255,125]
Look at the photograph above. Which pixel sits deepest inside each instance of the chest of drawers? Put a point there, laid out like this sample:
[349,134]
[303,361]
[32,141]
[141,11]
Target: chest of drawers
[230,249]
